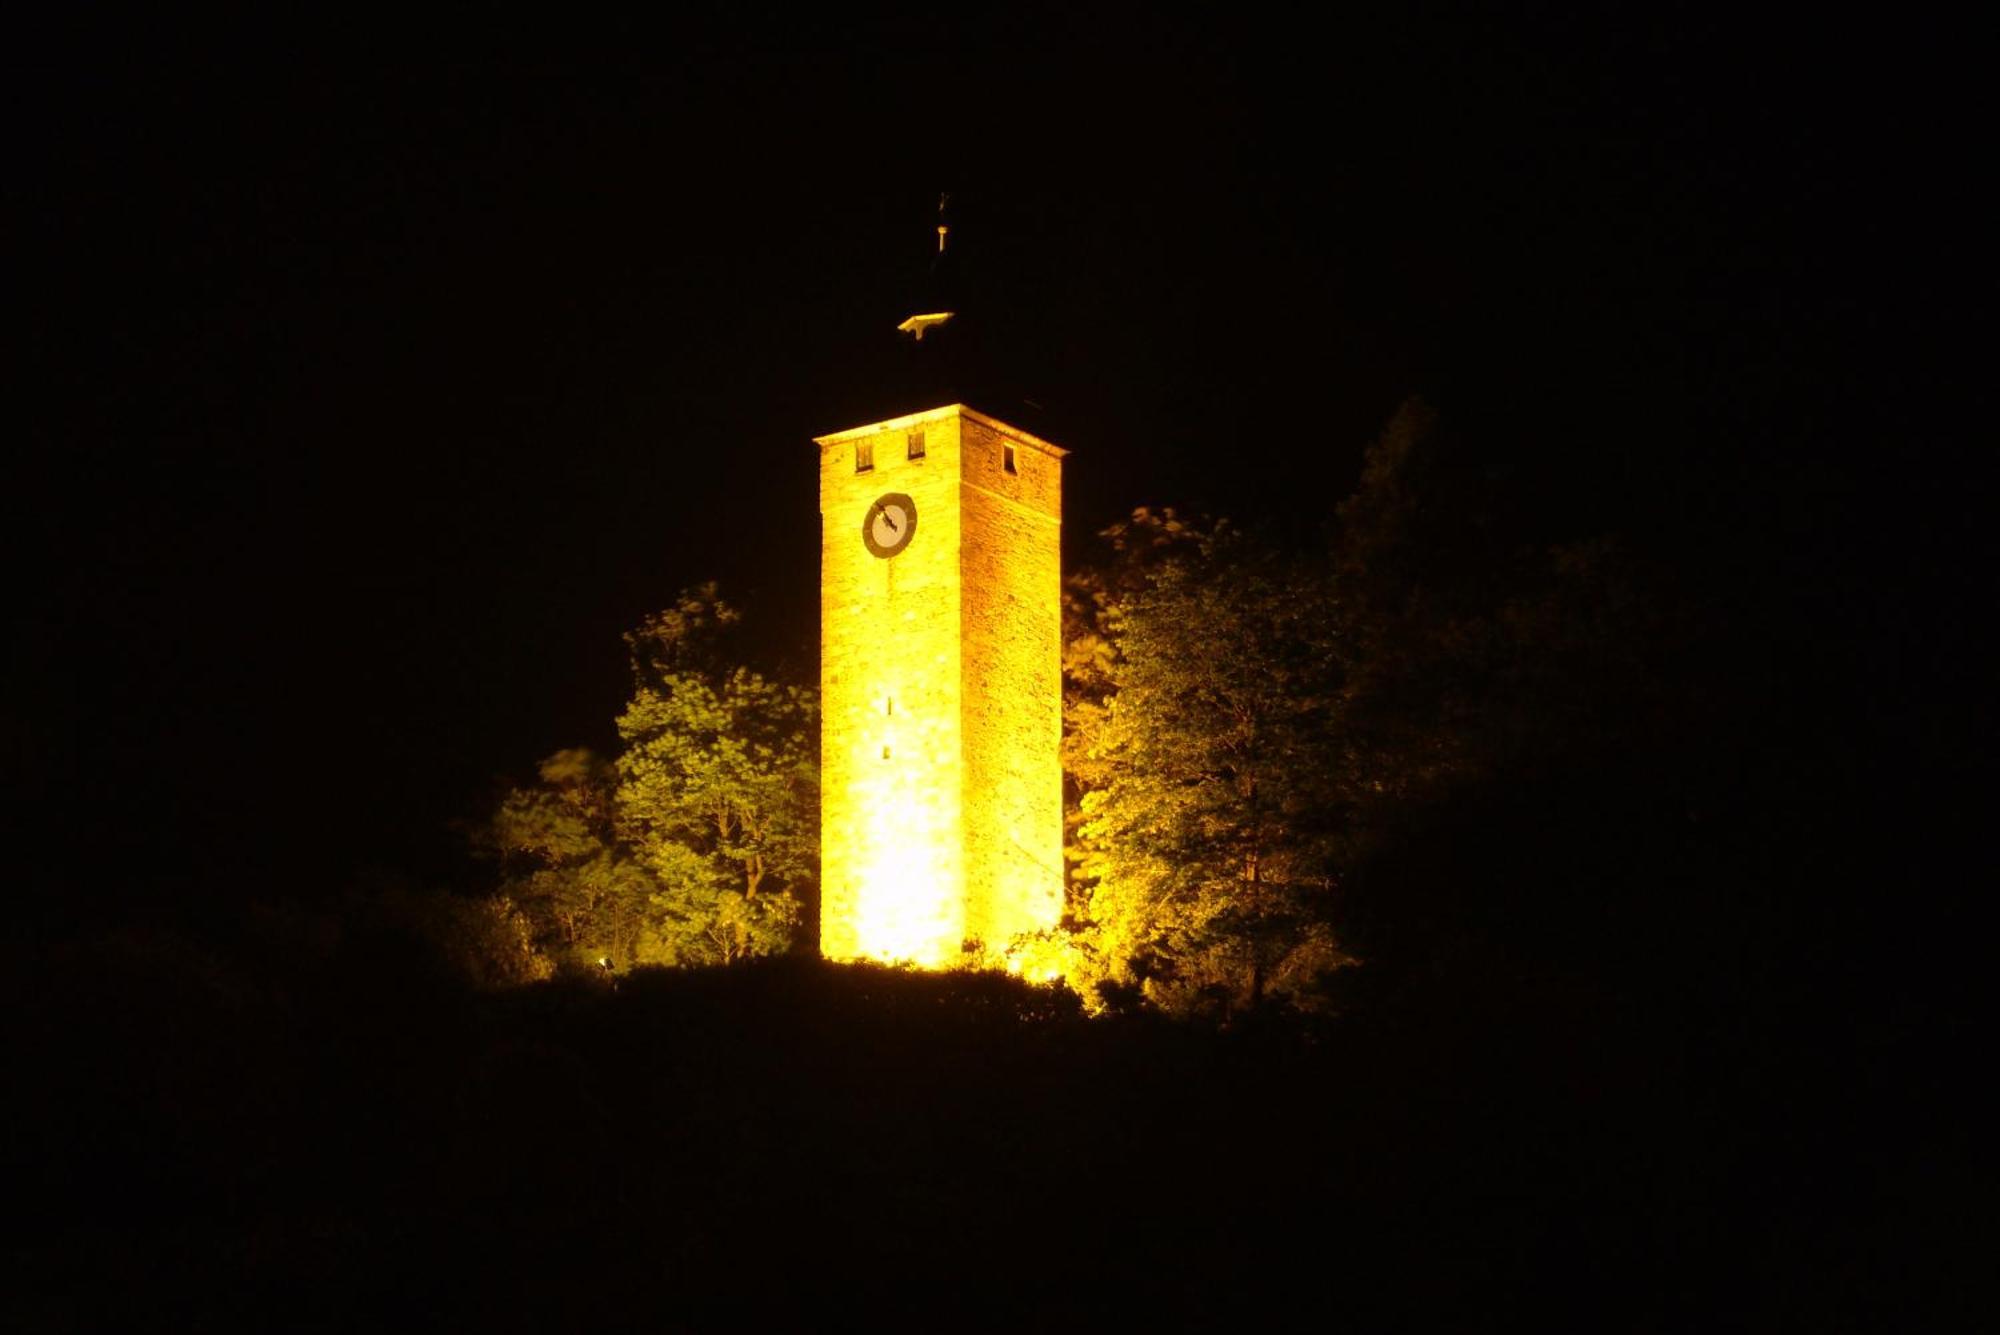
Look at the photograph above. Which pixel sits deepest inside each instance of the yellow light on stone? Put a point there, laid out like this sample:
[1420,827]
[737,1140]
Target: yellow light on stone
[940,648]
[903,914]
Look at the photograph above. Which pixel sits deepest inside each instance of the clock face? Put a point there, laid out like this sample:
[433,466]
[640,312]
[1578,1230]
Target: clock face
[889,524]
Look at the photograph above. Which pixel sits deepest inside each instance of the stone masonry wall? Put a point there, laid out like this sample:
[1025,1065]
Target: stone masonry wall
[891,851]
[1011,637]
[941,809]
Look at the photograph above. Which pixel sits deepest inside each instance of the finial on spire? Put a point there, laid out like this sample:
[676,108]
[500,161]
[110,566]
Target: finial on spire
[943,227]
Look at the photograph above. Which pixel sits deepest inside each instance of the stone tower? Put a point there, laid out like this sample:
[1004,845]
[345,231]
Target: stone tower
[941,690]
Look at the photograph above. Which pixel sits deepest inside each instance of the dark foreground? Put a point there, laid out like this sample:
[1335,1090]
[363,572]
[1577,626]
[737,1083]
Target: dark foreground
[196,1148]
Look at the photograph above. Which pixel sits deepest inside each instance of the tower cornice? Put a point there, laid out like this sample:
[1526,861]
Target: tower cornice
[941,414]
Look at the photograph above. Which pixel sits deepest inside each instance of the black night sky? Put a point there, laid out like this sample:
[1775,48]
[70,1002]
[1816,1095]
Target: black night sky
[369,386]
[378,396]
[371,399]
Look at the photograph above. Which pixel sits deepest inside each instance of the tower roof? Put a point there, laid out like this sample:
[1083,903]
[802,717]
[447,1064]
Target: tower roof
[940,414]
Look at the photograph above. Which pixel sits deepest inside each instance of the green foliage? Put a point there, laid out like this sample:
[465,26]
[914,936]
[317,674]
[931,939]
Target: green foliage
[1262,744]
[718,792]
[695,844]
[1209,766]
[562,863]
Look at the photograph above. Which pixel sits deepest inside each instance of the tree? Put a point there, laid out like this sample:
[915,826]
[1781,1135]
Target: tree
[695,844]
[1527,716]
[717,789]
[487,941]
[562,863]
[1206,672]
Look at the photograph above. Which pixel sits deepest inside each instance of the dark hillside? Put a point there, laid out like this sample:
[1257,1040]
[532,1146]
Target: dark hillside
[213,1139]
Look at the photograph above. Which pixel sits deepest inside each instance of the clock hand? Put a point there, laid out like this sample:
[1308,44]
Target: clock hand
[893,526]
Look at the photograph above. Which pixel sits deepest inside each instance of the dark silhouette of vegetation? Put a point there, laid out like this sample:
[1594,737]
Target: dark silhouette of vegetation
[306,1120]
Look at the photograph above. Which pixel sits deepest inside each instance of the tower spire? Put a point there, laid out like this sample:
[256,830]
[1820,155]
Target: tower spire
[939,310]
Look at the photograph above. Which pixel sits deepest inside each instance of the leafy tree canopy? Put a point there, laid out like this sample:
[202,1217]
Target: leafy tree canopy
[718,790]
[1264,745]
[1205,674]
[698,842]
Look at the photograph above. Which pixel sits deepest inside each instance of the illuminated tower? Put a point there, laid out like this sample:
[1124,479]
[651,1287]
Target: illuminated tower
[941,690]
